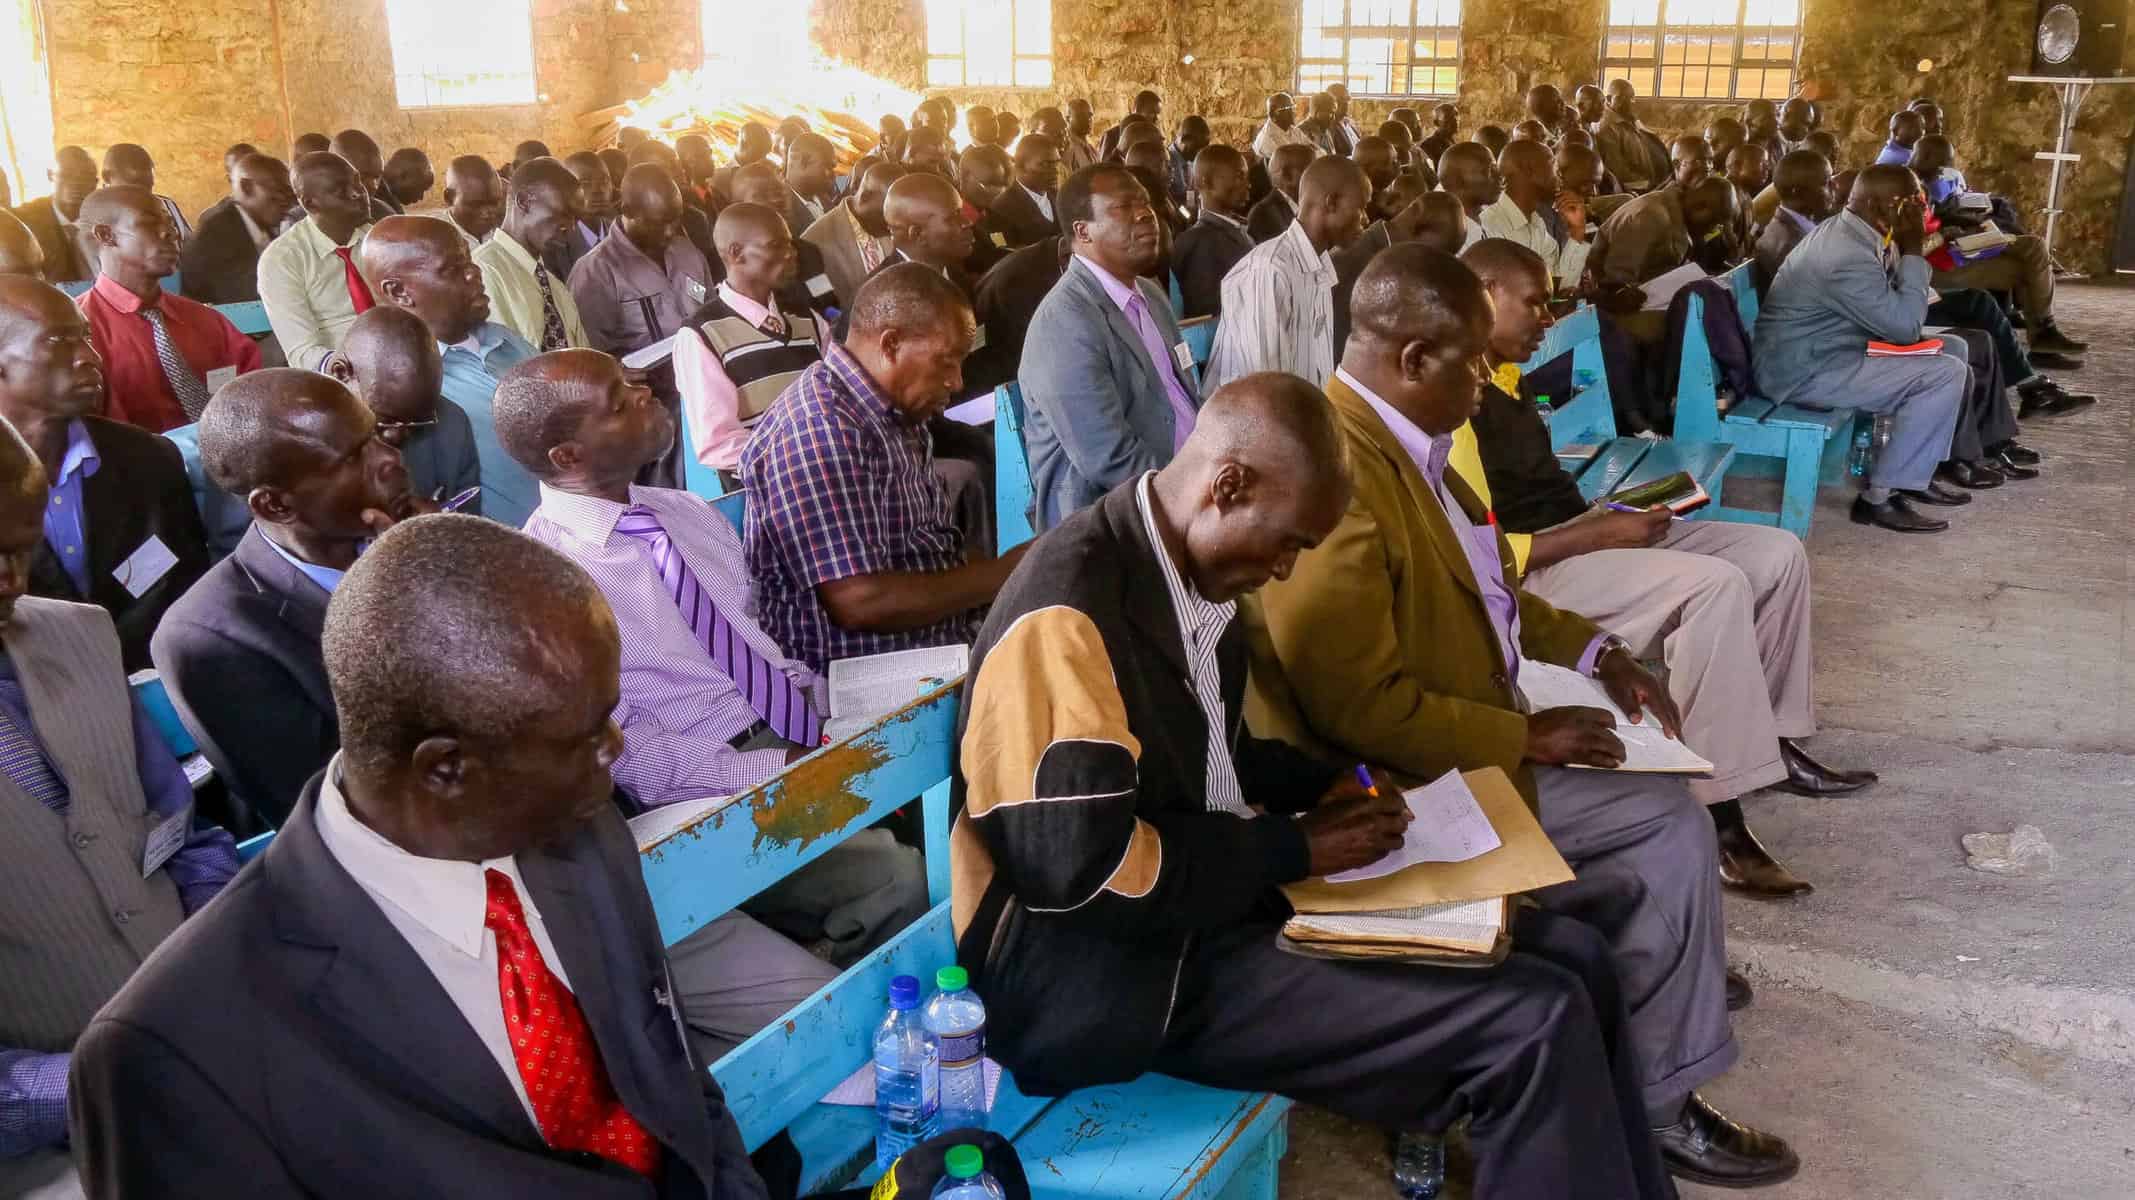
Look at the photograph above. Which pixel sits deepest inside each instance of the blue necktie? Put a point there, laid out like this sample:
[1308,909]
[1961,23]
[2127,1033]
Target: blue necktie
[21,758]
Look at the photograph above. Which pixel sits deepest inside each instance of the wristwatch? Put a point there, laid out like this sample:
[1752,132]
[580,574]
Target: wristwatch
[1610,643]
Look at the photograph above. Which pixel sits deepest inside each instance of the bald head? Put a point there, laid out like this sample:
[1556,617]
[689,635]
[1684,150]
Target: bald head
[1375,157]
[1441,223]
[1907,126]
[1502,261]
[756,248]
[49,370]
[1287,169]
[474,194]
[129,165]
[1579,169]
[1879,189]
[362,153]
[1469,171]
[541,403]
[422,264]
[1332,200]
[1804,182]
[398,368]
[925,216]
[247,431]
[1412,293]
[1529,172]
[1712,203]
[758,183]
[20,255]
[908,297]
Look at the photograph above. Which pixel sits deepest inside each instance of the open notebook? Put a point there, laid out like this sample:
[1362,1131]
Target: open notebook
[1646,749]
[1463,929]
[866,689]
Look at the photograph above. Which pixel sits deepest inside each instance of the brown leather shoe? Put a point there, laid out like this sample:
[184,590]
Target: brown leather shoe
[1705,1147]
[1747,867]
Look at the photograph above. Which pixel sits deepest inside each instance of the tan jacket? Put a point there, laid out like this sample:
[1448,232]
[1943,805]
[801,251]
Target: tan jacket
[1378,647]
[1642,240]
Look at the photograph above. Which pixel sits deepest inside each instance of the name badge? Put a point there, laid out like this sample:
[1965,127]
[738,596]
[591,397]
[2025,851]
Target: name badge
[1000,239]
[1183,355]
[696,290]
[145,566]
[819,286]
[165,839]
[218,377]
[978,340]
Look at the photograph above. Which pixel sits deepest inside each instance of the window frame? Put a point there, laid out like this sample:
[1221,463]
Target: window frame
[1017,56]
[1658,63]
[533,73]
[1349,30]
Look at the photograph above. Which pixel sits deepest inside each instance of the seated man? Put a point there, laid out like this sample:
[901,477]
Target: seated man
[743,348]
[1445,133]
[361,152]
[1207,250]
[595,217]
[1726,605]
[1723,134]
[523,296]
[421,264]
[1277,210]
[401,376]
[1632,152]
[2023,267]
[308,277]
[852,238]
[120,528]
[811,176]
[1531,186]
[1108,386]
[1024,213]
[1004,302]
[1400,640]
[1837,291]
[983,175]
[1117,822]
[129,165]
[1580,172]
[239,652]
[219,264]
[1279,130]
[1468,173]
[71,729]
[810,289]
[1278,302]
[710,705]
[1906,129]
[164,355]
[1749,168]
[474,197]
[1656,233]
[1191,138]
[53,218]
[851,541]
[642,281]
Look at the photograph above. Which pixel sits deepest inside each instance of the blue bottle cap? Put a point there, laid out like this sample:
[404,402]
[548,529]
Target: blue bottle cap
[904,992]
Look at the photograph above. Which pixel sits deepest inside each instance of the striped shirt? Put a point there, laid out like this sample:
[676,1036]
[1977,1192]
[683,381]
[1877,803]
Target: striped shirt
[679,713]
[1201,626]
[1278,313]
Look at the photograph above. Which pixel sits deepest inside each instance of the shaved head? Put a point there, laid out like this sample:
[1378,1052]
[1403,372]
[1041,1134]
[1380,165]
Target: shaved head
[740,222]
[541,402]
[247,426]
[905,296]
[1413,293]
[398,368]
[422,264]
[19,252]
[1881,184]
[1498,261]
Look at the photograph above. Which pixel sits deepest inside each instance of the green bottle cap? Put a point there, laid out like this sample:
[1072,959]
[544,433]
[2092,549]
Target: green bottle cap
[952,979]
[965,1162]
[1541,399]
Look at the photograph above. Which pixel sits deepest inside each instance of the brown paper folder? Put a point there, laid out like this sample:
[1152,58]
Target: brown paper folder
[1525,861]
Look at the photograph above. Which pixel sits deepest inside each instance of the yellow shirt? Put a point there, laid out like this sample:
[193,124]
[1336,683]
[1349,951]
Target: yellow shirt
[304,286]
[515,295]
[1467,459]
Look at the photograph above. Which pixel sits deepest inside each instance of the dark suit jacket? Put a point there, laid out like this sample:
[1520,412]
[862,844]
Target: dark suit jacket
[1270,217]
[1006,299]
[64,261]
[288,1041]
[1202,256]
[1018,218]
[1774,242]
[219,264]
[798,295]
[240,657]
[139,491]
[844,322]
[564,253]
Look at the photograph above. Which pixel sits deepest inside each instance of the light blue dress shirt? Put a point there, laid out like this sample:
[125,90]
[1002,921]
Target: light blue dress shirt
[509,493]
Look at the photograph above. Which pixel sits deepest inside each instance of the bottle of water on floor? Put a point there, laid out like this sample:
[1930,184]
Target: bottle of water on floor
[967,1178]
[1419,1166]
[957,1020]
[907,1075]
[1863,453]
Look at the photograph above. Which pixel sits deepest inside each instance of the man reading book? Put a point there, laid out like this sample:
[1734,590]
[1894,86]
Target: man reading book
[1399,639]
[1122,840]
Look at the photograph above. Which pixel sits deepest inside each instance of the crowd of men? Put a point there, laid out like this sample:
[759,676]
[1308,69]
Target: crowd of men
[447,715]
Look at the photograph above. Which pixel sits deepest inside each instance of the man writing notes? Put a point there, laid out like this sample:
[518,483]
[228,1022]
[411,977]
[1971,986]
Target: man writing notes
[1119,825]
[1401,640]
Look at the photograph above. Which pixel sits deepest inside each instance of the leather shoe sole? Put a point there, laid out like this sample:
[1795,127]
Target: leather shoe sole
[1705,1147]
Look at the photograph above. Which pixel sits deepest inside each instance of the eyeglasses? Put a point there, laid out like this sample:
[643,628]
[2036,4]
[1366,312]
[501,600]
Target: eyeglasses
[394,432]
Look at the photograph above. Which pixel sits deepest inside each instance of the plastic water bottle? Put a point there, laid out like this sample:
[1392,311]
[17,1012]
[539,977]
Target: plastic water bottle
[957,1020]
[1863,454]
[907,1075]
[1543,406]
[967,1178]
[1419,1166]
[1884,423]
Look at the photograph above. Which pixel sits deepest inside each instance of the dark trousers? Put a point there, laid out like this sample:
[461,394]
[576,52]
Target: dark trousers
[1986,419]
[1535,1049]
[1971,308]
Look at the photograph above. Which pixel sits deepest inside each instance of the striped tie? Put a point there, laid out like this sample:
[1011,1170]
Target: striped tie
[777,699]
[191,393]
[21,758]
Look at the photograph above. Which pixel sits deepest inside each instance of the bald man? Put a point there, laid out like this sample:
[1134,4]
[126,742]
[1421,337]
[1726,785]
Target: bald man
[523,296]
[853,238]
[742,348]
[164,355]
[220,262]
[421,264]
[1531,186]
[400,375]
[1151,873]
[811,174]
[19,252]
[52,218]
[308,278]
[925,216]
[984,174]
[1205,251]
[642,281]
[102,818]
[1438,642]
[474,197]
[1278,302]
[408,177]
[1279,130]
[362,154]
[130,165]
[1274,212]
[1468,171]
[1633,153]
[120,530]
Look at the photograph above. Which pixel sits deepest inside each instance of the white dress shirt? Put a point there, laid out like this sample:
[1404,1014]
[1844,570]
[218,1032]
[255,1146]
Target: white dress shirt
[441,907]
[1278,313]
[1272,138]
[1566,260]
[1201,626]
[305,289]
[1043,201]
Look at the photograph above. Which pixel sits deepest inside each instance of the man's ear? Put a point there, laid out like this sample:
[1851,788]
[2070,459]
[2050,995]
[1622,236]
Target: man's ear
[566,457]
[443,766]
[1412,356]
[394,291]
[270,505]
[1233,486]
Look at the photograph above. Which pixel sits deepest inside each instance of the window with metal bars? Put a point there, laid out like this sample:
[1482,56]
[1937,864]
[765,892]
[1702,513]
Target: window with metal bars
[1380,47]
[988,43]
[1703,49]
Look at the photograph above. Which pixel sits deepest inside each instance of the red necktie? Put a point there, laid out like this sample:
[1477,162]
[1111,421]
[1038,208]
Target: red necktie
[359,292]
[558,1062]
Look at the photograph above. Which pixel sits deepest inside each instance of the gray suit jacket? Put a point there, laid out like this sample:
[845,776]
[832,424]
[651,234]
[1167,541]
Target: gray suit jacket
[1832,296]
[1097,412]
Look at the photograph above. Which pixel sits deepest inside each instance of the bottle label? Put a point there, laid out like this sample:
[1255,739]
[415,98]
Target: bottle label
[962,1049]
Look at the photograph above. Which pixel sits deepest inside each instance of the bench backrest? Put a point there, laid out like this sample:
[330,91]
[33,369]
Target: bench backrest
[1743,281]
[250,317]
[1011,470]
[1200,335]
[1588,414]
[734,506]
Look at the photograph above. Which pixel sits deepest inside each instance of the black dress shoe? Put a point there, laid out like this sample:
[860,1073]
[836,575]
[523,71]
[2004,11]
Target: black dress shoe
[1739,993]
[1936,494]
[1895,515]
[2054,362]
[1808,777]
[1747,867]
[2049,338]
[2010,468]
[2012,451]
[2045,398]
[1977,476]
[1705,1147]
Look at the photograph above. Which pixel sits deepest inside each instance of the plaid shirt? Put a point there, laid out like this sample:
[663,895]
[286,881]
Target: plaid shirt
[839,485]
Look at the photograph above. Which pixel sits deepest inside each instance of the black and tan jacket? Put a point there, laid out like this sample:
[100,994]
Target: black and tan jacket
[1084,856]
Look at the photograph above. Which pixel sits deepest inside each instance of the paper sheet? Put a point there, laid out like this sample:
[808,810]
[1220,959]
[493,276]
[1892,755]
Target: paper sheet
[1646,748]
[858,1090]
[658,352]
[976,411]
[1449,827]
[650,826]
[1660,291]
[877,685]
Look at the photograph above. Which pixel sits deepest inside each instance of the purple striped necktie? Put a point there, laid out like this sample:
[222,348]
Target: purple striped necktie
[782,703]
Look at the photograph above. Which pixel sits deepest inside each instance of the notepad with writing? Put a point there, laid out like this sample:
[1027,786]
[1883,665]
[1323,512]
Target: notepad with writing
[1646,749]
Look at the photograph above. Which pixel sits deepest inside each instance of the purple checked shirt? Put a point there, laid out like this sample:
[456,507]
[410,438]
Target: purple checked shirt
[1131,302]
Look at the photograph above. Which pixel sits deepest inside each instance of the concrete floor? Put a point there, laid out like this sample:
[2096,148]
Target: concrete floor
[1923,1031]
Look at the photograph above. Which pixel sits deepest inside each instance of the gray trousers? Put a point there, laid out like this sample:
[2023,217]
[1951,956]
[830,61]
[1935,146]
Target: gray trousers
[1727,607]
[1649,880]
[1924,396]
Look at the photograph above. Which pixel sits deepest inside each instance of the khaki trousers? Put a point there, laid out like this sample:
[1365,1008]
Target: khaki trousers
[2025,269]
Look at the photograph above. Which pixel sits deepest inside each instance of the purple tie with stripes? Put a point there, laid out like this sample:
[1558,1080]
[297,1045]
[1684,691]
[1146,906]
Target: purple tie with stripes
[776,698]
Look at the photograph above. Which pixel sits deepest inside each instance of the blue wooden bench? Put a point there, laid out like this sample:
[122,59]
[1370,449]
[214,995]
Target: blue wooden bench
[1802,446]
[1586,419]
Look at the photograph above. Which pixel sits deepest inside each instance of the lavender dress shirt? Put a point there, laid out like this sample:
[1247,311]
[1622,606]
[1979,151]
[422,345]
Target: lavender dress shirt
[1131,303]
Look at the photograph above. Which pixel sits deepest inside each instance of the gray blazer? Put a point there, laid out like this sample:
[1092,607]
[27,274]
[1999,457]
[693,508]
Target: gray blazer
[1831,297]
[1097,412]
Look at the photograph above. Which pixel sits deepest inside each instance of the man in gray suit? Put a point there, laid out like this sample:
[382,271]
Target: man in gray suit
[1107,380]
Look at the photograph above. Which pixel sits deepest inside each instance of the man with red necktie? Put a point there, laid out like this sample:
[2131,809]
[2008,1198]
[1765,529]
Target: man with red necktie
[308,278]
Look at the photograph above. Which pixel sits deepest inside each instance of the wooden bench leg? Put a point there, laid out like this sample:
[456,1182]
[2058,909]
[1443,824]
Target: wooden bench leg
[1797,500]
[1259,1175]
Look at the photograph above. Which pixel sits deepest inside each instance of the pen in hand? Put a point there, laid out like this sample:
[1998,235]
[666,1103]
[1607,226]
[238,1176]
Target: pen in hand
[1371,788]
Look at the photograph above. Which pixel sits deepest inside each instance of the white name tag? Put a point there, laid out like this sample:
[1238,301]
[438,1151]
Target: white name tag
[695,289]
[819,286]
[1183,355]
[145,566]
[165,839]
[1001,240]
[220,376]
[978,340]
